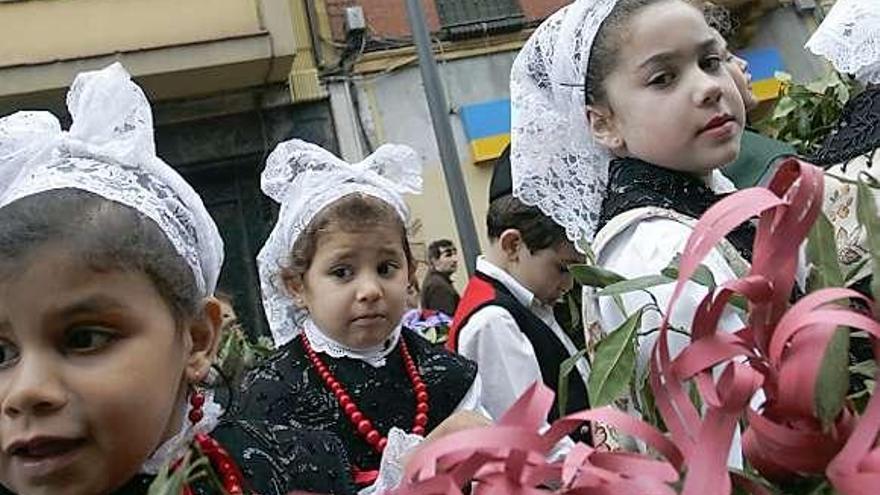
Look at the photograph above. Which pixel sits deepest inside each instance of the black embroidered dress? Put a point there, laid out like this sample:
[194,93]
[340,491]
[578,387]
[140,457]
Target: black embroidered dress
[285,389]
[275,460]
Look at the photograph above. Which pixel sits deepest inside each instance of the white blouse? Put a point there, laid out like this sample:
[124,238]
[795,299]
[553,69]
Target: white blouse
[646,247]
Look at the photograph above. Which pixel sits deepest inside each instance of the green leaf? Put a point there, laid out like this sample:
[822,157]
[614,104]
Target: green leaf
[833,379]
[702,275]
[866,212]
[587,249]
[638,283]
[565,369]
[739,302]
[822,253]
[594,276]
[803,124]
[614,362]
[647,403]
[694,395]
[854,271]
[168,482]
[785,106]
[822,85]
[574,310]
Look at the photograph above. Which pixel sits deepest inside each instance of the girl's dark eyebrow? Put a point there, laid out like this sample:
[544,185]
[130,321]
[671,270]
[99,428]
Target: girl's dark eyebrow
[711,44]
[659,59]
[93,304]
[667,57]
[389,252]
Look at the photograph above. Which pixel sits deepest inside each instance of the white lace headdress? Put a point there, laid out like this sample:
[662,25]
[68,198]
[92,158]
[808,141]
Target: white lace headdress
[555,163]
[849,37]
[109,151]
[305,178]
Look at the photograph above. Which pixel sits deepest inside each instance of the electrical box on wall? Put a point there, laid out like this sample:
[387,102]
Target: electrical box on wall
[355,21]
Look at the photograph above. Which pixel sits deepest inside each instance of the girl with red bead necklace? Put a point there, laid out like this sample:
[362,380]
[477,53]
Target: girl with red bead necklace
[108,263]
[334,273]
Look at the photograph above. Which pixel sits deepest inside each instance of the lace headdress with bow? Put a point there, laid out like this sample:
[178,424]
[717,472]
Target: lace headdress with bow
[555,163]
[109,151]
[305,178]
[849,37]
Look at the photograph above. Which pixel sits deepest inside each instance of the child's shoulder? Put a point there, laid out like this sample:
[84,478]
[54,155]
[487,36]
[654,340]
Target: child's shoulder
[432,357]
[488,295]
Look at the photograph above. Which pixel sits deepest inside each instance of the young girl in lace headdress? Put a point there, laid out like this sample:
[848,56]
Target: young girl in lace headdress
[108,260]
[636,146]
[335,272]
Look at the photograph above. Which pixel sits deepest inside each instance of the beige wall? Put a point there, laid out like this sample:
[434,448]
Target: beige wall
[176,48]
[40,31]
[432,211]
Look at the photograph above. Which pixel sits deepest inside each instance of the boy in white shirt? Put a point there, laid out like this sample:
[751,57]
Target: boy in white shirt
[505,319]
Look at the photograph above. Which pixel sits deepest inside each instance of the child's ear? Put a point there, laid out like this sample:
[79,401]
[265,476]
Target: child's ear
[603,127]
[296,288]
[204,335]
[510,241]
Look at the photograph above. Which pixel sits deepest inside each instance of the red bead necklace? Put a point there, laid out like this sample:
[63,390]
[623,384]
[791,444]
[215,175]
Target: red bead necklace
[228,472]
[362,425]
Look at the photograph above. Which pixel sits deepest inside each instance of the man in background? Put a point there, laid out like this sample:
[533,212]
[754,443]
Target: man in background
[438,293]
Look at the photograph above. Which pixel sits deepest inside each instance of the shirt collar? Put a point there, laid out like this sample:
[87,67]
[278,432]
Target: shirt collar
[520,293]
[719,183]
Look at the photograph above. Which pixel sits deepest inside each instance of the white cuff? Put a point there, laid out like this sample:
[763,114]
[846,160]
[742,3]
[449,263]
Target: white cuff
[392,466]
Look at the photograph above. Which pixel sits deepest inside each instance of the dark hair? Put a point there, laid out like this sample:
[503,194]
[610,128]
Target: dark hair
[353,212]
[606,47]
[538,231]
[721,19]
[104,234]
[436,247]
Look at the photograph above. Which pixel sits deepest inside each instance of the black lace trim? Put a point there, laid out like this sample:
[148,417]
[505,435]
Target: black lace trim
[857,132]
[633,183]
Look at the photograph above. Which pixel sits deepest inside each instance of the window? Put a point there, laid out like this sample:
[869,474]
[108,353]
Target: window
[469,18]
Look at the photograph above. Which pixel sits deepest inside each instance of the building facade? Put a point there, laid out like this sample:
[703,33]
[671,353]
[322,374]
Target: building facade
[228,80]
[372,74]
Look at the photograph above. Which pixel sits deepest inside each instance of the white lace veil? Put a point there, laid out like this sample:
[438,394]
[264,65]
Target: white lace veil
[305,178]
[555,163]
[849,37]
[109,151]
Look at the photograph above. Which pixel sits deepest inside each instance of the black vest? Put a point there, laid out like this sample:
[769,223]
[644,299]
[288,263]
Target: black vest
[549,351]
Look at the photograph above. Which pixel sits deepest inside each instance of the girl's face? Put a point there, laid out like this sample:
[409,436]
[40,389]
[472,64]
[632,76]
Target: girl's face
[355,288]
[93,374]
[671,102]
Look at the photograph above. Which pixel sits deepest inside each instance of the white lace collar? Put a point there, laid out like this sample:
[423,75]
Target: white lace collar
[374,356]
[176,446]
